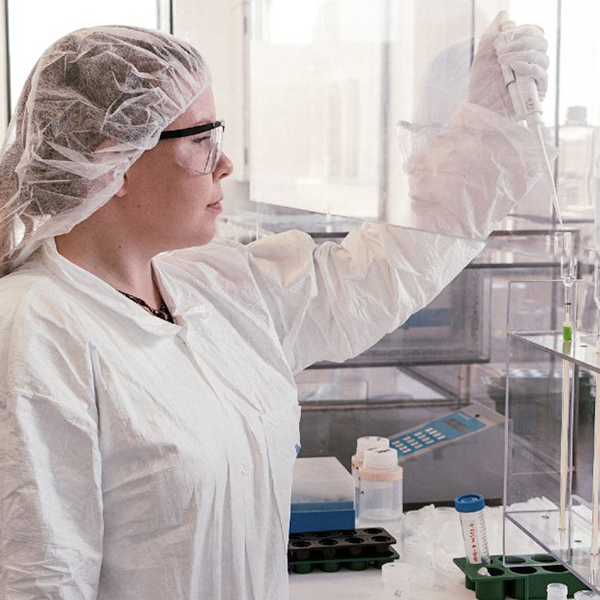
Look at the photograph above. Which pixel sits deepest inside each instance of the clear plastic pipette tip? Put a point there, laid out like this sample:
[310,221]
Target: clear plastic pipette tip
[548,171]
[568,262]
[568,274]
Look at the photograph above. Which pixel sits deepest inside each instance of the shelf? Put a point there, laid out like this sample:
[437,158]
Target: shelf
[581,351]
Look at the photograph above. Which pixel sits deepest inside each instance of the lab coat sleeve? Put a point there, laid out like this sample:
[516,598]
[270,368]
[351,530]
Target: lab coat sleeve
[333,301]
[50,473]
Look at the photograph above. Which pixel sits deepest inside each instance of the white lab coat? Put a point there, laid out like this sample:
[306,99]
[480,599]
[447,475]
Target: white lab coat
[144,460]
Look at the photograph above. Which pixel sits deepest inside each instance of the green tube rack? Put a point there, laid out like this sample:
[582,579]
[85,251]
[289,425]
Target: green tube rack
[355,549]
[524,577]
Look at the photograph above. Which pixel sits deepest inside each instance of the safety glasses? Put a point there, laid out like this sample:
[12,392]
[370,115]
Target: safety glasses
[198,148]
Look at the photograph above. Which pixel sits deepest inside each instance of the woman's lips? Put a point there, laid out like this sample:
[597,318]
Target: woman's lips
[215,206]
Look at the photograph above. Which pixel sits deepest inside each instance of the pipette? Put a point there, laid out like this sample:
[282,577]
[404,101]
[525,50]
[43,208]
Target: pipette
[526,102]
[568,273]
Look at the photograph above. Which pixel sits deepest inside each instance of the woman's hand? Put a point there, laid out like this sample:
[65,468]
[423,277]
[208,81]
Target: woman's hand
[526,55]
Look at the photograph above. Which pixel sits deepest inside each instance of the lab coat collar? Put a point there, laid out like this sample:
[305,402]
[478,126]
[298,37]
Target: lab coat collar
[182,300]
[90,285]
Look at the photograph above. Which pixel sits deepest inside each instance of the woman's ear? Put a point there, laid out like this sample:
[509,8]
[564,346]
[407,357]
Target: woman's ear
[122,191]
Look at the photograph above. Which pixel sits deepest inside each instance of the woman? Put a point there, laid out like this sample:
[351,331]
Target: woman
[149,413]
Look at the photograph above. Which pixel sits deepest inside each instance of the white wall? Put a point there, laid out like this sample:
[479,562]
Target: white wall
[217,29]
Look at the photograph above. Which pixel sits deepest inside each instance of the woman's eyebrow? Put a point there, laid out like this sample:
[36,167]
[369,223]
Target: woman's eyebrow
[205,121]
[198,123]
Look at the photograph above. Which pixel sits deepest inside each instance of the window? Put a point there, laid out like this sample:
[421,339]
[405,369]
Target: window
[34,24]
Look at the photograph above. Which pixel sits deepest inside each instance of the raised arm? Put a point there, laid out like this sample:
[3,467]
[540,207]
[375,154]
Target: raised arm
[332,302]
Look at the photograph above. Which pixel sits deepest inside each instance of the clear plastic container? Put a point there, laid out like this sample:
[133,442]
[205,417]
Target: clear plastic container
[418,552]
[367,442]
[380,485]
[470,508]
[557,591]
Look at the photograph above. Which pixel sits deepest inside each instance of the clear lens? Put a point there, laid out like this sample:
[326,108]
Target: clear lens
[414,138]
[201,152]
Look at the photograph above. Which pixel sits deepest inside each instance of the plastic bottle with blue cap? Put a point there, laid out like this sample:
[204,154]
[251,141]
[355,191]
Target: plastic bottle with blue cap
[470,508]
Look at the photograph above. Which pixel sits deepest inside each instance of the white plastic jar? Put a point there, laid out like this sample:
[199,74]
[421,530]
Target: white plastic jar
[363,444]
[380,487]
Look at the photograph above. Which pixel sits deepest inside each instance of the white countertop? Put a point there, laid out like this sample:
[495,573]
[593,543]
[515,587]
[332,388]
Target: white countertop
[359,585]
[439,531]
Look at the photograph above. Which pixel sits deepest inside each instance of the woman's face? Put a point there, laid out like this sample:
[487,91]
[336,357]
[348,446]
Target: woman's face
[170,205]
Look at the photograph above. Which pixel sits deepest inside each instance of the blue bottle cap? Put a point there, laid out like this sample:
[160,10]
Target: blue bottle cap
[468,503]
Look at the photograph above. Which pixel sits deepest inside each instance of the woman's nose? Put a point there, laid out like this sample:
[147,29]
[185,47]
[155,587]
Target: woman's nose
[224,167]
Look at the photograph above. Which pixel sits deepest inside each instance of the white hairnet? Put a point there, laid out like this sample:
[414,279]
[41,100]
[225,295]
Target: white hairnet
[93,103]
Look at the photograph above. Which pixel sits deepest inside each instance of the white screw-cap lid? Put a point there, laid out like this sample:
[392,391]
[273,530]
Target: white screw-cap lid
[396,572]
[370,441]
[381,459]
[557,591]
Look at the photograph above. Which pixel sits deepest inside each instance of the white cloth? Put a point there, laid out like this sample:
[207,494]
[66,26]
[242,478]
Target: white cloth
[147,460]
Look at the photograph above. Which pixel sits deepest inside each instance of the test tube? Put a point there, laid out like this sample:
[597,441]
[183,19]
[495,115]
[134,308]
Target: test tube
[470,508]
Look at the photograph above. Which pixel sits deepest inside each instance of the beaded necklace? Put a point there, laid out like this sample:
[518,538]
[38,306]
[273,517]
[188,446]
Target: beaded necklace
[162,313]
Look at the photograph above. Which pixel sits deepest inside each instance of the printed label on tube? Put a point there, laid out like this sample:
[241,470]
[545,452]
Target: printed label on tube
[475,537]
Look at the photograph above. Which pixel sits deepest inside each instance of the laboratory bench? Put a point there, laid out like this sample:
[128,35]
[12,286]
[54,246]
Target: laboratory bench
[439,530]
[368,585]
[360,585]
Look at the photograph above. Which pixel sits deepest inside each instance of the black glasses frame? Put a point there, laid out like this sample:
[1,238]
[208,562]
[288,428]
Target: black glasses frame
[178,133]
